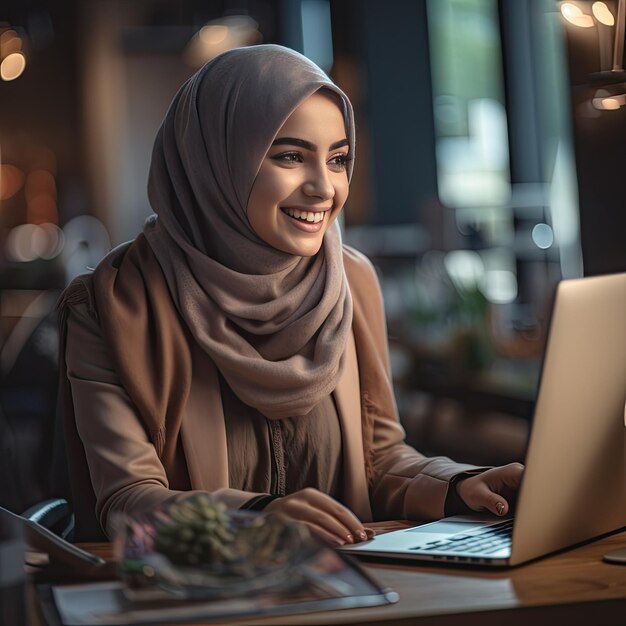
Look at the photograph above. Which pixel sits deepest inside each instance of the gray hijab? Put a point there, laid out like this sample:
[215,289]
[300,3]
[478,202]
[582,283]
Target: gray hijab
[275,325]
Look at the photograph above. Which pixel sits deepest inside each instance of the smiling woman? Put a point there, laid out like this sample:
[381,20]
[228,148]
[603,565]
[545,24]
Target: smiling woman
[236,346]
[302,184]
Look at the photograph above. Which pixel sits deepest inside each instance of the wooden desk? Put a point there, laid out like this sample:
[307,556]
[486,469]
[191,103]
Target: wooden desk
[574,588]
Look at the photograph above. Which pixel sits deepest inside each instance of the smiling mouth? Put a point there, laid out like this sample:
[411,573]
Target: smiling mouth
[312,217]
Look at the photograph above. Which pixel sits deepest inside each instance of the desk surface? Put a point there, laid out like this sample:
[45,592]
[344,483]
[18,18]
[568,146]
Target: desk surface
[573,587]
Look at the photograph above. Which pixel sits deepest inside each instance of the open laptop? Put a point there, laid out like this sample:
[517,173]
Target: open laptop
[574,486]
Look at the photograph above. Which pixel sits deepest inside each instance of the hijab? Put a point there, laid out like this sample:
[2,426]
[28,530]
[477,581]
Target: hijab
[276,325]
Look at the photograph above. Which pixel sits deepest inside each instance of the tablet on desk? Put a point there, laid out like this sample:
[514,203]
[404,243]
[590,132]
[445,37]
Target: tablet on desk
[327,581]
[38,537]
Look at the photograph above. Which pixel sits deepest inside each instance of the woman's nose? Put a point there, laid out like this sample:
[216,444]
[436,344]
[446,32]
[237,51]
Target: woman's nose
[318,184]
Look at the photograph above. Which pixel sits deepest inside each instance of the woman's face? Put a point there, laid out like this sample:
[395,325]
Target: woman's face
[303,181]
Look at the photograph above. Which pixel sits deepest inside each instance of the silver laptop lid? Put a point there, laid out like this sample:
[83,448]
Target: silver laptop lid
[575,482]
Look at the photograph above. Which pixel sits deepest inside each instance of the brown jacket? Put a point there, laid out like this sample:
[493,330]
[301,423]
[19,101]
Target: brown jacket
[116,464]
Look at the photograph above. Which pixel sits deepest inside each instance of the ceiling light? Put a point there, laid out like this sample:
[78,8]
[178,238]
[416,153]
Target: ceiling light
[574,15]
[602,13]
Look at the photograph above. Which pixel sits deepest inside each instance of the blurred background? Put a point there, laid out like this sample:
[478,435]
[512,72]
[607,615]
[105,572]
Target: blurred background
[489,166]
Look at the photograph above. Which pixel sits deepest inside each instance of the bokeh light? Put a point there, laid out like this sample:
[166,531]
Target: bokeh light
[9,42]
[213,34]
[500,286]
[28,242]
[542,236]
[602,13]
[574,15]
[12,66]
[11,180]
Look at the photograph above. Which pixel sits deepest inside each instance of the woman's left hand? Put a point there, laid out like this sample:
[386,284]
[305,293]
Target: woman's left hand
[491,490]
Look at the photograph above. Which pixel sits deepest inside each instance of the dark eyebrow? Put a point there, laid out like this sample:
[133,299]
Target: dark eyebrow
[339,144]
[307,145]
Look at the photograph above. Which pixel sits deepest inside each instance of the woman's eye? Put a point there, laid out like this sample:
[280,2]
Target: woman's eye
[340,161]
[288,157]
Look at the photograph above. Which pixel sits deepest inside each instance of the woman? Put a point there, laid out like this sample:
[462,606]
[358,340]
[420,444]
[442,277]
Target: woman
[235,346]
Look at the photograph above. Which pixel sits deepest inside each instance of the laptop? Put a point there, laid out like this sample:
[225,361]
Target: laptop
[574,486]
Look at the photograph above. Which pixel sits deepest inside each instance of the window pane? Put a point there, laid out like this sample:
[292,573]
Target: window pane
[470,117]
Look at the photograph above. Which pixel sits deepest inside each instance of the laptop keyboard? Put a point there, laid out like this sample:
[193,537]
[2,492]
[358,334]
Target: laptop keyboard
[486,541]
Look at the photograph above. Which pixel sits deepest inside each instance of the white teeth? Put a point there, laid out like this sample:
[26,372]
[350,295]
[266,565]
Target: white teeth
[308,216]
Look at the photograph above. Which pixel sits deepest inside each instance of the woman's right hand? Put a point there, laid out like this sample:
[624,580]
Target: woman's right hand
[323,515]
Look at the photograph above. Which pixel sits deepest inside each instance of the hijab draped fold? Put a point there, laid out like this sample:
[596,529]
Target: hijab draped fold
[275,325]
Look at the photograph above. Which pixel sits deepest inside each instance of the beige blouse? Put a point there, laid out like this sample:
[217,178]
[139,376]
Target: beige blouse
[281,456]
